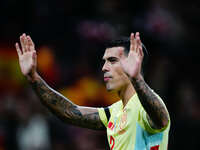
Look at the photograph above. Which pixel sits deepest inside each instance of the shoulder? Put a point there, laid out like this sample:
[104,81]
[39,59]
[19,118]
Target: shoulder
[135,102]
[115,106]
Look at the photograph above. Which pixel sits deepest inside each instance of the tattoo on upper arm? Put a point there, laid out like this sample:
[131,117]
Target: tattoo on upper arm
[157,113]
[93,121]
[64,108]
[152,124]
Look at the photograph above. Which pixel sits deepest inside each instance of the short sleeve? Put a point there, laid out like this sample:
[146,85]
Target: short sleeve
[145,123]
[102,112]
[103,117]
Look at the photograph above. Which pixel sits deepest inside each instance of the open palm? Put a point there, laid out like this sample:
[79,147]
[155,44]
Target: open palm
[27,55]
[132,64]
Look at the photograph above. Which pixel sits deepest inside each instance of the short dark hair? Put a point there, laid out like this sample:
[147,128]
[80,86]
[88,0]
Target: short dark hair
[125,42]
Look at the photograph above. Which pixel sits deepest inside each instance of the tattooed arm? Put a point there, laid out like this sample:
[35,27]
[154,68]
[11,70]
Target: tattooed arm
[157,113]
[62,107]
[81,116]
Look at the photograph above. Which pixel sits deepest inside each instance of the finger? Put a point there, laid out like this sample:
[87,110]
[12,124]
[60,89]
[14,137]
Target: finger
[22,42]
[141,51]
[137,34]
[138,41]
[19,52]
[31,44]
[26,44]
[133,42]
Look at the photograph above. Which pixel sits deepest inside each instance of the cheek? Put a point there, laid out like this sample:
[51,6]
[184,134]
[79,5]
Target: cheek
[120,74]
[119,78]
[117,70]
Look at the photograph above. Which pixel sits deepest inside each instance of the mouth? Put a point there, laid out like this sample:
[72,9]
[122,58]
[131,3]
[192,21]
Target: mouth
[106,79]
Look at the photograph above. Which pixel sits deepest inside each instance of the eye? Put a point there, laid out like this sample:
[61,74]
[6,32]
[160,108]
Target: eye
[112,60]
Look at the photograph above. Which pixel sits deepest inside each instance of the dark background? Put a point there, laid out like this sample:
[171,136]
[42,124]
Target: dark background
[69,37]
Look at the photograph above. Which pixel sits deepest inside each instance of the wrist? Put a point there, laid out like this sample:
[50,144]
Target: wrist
[138,82]
[137,78]
[32,77]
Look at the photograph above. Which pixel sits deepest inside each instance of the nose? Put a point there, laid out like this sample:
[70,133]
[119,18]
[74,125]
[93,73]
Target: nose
[105,68]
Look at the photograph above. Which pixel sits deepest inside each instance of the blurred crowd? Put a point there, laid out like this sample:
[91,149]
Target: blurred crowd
[69,38]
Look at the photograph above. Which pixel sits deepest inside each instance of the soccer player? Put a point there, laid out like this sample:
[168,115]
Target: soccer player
[139,121]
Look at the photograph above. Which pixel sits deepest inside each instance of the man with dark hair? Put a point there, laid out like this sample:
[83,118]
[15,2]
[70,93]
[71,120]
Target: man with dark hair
[140,120]
[125,43]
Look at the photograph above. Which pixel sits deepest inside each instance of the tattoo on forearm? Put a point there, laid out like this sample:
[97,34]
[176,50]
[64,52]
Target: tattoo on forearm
[64,108]
[157,114]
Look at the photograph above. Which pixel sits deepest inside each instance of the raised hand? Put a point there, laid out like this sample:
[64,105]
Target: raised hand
[27,56]
[132,64]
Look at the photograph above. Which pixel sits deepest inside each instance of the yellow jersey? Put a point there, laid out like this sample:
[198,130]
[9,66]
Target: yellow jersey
[129,129]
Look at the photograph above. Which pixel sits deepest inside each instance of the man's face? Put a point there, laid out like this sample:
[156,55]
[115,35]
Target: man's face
[114,75]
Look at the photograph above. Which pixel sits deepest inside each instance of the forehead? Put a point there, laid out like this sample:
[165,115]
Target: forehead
[113,52]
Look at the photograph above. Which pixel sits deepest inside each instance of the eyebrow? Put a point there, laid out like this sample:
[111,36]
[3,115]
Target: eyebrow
[110,58]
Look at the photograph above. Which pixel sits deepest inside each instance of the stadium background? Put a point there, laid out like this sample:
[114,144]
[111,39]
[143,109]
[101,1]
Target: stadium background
[68,36]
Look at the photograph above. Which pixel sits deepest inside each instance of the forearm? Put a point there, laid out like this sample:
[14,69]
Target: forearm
[64,108]
[157,113]
[54,101]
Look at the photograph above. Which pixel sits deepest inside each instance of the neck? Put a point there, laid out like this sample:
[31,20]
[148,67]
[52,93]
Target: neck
[126,93]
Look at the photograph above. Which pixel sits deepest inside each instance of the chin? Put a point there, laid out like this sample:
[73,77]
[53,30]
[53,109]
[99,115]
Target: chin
[109,88]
